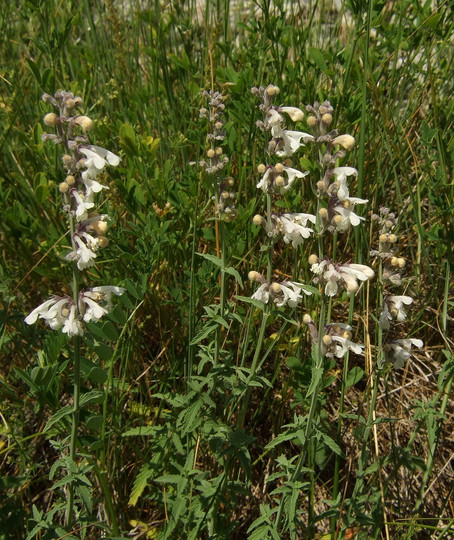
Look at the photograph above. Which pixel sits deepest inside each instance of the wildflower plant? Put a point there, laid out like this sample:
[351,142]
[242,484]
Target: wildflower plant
[336,215]
[84,166]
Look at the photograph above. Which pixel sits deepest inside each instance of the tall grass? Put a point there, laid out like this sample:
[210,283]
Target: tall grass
[209,423]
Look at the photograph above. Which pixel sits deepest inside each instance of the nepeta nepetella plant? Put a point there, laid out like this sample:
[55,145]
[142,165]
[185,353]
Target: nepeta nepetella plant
[84,165]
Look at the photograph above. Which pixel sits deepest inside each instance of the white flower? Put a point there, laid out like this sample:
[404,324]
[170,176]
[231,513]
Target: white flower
[90,182]
[73,326]
[58,313]
[292,174]
[291,140]
[265,181]
[340,185]
[399,351]
[96,302]
[98,157]
[273,179]
[293,227]
[343,345]
[295,114]
[346,215]
[92,311]
[85,253]
[346,275]
[397,306]
[84,203]
[106,292]
[262,294]
[291,294]
[350,273]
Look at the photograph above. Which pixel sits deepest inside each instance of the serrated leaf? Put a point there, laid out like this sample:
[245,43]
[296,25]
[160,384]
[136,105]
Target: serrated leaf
[65,411]
[140,483]
[209,329]
[85,495]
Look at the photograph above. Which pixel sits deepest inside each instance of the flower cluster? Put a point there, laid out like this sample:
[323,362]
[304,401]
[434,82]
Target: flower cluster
[337,277]
[284,142]
[339,213]
[336,340]
[225,198]
[84,165]
[394,307]
[61,312]
[284,293]
[291,227]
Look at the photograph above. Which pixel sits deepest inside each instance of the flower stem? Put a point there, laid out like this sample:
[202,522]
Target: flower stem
[76,391]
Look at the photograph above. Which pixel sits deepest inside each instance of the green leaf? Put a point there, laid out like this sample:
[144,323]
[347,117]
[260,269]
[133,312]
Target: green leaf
[235,274]
[140,483]
[215,260]
[209,329]
[64,411]
[127,134]
[354,376]
[95,422]
[253,302]
[319,59]
[110,331]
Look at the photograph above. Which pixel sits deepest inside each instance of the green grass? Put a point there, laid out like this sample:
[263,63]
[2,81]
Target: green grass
[199,431]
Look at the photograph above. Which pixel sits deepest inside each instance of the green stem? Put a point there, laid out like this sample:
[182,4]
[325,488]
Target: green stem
[76,391]
[266,313]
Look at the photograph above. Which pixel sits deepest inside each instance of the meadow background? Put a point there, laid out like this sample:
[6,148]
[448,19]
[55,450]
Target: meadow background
[164,453]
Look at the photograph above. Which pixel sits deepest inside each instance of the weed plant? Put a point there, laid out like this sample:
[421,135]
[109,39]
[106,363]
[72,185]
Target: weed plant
[279,363]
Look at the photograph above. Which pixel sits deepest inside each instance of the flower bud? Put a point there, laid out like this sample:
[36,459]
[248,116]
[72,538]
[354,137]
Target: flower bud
[254,276]
[276,288]
[218,151]
[337,220]
[313,259]
[63,187]
[323,213]
[401,262]
[394,261]
[261,168]
[210,153]
[257,219]
[66,160]
[346,334]
[392,238]
[279,168]
[103,241]
[383,238]
[327,119]
[100,227]
[311,121]
[70,103]
[307,318]
[279,181]
[346,141]
[327,340]
[230,181]
[51,119]
[84,122]
[70,180]
[218,125]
